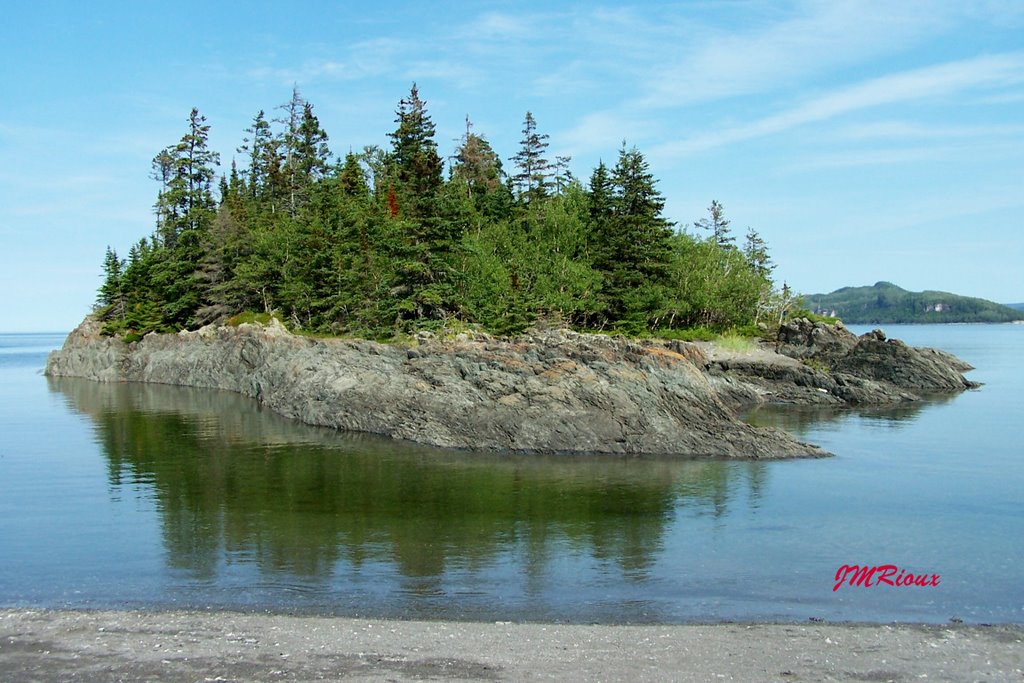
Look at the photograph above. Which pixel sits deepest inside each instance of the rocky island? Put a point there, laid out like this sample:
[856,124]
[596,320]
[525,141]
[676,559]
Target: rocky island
[552,391]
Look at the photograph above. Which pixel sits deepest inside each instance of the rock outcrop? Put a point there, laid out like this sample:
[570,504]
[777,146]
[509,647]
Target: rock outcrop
[817,363]
[551,392]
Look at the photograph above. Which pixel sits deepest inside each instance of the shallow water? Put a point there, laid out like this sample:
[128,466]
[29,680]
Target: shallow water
[150,496]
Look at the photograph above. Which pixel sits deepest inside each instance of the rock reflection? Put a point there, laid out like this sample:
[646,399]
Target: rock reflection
[800,420]
[236,484]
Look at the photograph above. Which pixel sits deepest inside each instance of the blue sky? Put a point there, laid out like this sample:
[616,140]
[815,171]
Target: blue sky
[863,140]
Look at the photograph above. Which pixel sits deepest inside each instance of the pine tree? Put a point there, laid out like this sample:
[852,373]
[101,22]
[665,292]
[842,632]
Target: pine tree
[600,197]
[478,170]
[312,153]
[303,149]
[563,174]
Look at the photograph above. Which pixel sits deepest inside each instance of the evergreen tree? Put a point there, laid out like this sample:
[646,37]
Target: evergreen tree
[379,243]
[631,247]
[477,169]
[533,181]
[756,252]
[414,154]
[112,299]
[303,150]
[163,171]
[563,174]
[424,257]
[600,198]
[224,246]
[476,164]
[718,225]
[186,172]
[185,210]
[312,153]
[351,178]
[264,159]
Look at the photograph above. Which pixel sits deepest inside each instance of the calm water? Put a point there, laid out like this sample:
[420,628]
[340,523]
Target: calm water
[154,497]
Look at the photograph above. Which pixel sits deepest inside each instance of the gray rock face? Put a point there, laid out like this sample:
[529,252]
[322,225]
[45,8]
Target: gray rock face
[550,392]
[802,339]
[825,364]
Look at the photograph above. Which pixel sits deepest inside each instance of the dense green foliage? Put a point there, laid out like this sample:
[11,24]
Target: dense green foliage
[884,302]
[385,241]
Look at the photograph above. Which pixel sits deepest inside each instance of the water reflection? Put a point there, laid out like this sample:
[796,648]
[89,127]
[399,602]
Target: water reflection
[800,420]
[237,485]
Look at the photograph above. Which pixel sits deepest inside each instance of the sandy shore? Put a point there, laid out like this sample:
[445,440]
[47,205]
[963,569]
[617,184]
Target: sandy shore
[44,645]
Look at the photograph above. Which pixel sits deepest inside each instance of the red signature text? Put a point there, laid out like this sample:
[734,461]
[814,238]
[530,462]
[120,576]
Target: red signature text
[888,574]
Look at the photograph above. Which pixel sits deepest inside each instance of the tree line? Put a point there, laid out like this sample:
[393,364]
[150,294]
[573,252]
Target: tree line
[389,240]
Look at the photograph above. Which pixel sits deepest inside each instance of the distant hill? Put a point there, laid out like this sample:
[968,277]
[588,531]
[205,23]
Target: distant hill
[1016,307]
[884,302]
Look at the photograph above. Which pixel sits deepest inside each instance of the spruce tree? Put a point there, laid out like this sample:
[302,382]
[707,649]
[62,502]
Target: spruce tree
[600,199]
[111,298]
[351,178]
[186,208]
[414,154]
[718,225]
[264,166]
[186,172]
[533,181]
[477,168]
[632,245]
[425,255]
[476,164]
[756,252]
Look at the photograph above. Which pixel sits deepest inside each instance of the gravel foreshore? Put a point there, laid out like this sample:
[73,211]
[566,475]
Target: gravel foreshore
[64,645]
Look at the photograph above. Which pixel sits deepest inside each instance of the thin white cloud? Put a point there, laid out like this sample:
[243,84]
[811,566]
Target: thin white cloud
[1003,98]
[603,130]
[909,86]
[498,26]
[891,156]
[912,130]
[816,38]
[458,74]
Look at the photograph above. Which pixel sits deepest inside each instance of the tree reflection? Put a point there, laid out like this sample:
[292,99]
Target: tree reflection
[234,483]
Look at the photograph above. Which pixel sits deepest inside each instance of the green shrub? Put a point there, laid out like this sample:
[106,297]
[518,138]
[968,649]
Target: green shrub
[736,343]
[815,364]
[251,317]
[687,334]
[813,317]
